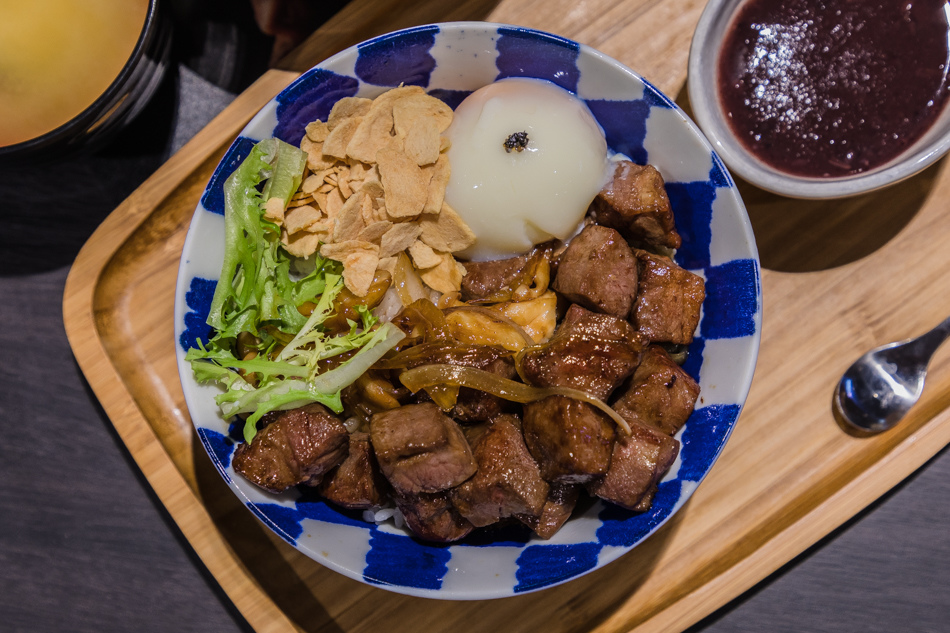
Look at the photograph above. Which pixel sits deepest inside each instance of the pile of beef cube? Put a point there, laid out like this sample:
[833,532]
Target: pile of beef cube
[484,462]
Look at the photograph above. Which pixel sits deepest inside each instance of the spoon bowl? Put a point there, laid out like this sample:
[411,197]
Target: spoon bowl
[877,391]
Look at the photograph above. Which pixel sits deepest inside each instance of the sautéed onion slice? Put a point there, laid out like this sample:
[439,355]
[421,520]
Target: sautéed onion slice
[457,375]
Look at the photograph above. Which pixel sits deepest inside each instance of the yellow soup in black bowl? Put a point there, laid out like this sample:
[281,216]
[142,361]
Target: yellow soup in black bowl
[72,72]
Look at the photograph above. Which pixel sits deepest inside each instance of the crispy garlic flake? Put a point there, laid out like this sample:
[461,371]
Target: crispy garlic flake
[375,188]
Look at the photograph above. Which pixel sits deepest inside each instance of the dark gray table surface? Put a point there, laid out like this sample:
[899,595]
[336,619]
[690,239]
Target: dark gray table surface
[86,546]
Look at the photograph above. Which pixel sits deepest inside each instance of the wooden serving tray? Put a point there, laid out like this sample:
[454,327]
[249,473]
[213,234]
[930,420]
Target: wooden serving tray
[838,278]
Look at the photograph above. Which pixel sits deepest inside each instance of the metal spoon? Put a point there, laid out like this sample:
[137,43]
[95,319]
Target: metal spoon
[876,392]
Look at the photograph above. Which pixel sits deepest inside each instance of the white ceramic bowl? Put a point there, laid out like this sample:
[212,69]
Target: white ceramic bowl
[702,84]
[451,60]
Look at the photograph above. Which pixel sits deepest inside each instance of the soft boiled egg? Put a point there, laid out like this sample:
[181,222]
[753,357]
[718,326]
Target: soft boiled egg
[527,159]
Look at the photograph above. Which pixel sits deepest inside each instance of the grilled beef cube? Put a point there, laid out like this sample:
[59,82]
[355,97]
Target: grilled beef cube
[591,352]
[420,450]
[580,321]
[298,447]
[598,271]
[556,511]
[508,481]
[570,439]
[492,278]
[668,300]
[661,394]
[357,483]
[638,462]
[432,517]
[635,203]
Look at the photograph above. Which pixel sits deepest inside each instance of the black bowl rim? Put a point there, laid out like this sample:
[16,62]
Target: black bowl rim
[93,111]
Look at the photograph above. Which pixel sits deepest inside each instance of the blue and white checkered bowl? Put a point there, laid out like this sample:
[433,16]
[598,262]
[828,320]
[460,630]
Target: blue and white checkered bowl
[450,61]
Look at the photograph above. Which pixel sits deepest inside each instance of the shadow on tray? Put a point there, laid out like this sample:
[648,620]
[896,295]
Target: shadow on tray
[809,235]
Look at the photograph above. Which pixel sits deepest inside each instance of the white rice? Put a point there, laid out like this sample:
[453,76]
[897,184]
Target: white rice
[381,515]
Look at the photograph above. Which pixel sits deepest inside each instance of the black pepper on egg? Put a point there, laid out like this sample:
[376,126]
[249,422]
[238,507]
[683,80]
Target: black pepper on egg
[517,141]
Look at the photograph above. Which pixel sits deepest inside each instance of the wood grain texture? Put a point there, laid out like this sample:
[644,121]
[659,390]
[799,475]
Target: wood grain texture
[361,20]
[146,407]
[839,277]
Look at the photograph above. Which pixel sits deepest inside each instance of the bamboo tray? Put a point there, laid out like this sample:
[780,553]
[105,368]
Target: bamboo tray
[838,278]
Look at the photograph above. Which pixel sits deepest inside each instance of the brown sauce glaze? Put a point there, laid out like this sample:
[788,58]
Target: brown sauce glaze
[826,89]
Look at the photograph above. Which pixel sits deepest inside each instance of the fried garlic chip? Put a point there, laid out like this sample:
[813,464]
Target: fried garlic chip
[375,190]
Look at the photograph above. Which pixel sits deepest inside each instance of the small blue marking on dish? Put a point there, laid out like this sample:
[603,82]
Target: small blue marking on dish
[198,299]
[220,447]
[389,61]
[213,198]
[543,565]
[283,520]
[451,98]
[692,207]
[320,510]
[624,124]
[310,98]
[394,559]
[732,300]
[718,175]
[694,359]
[656,98]
[524,53]
[625,528]
[703,437]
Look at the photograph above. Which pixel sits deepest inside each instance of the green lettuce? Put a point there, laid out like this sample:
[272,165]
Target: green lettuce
[259,292]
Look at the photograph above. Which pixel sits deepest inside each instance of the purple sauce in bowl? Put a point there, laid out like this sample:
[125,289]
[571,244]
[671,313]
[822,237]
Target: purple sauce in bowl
[819,99]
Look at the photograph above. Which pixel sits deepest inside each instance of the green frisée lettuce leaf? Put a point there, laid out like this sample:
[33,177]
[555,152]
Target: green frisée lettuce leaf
[284,385]
[259,292]
[325,388]
[287,172]
[260,287]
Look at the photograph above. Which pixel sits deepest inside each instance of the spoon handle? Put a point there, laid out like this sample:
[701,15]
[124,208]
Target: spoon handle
[926,344]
